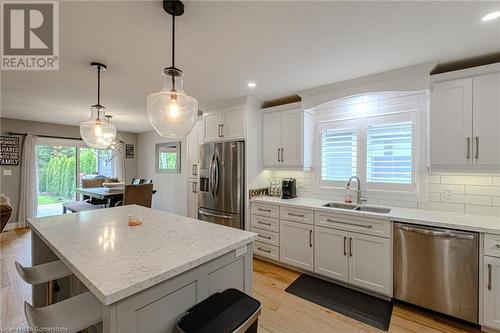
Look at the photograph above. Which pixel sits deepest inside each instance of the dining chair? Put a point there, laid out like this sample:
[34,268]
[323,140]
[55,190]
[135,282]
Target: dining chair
[141,195]
[86,203]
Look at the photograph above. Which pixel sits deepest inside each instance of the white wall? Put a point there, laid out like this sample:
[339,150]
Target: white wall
[171,188]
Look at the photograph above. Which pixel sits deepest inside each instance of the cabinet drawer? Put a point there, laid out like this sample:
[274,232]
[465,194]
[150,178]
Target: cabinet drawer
[266,236]
[266,250]
[266,223]
[297,215]
[265,210]
[361,224]
[492,245]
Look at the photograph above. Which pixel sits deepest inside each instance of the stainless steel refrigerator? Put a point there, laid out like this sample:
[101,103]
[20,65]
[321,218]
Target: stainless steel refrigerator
[221,195]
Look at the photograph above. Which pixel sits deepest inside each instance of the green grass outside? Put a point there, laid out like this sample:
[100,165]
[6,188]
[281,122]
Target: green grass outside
[47,200]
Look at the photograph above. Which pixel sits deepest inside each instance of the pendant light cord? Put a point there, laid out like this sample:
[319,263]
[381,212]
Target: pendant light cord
[173,41]
[98,92]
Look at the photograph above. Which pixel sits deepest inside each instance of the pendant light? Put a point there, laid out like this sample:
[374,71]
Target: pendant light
[171,112]
[98,132]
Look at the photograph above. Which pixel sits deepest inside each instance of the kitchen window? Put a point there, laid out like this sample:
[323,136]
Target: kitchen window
[380,150]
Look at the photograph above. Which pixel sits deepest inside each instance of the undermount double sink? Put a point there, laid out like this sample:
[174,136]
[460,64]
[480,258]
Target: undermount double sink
[371,209]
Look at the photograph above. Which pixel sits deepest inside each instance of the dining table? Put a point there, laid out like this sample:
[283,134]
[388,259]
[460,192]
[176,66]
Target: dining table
[112,195]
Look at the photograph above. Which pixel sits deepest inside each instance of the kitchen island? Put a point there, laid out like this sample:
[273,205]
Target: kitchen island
[144,276]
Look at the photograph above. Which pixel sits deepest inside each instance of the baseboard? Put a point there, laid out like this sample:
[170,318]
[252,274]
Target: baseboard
[489,330]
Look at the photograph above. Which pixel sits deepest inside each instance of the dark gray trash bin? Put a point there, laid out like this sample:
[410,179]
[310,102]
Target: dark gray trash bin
[230,311]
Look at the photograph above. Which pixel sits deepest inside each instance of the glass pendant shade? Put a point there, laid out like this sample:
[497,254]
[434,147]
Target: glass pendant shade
[171,112]
[97,132]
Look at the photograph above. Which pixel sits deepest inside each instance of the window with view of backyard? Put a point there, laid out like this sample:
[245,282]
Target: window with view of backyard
[58,177]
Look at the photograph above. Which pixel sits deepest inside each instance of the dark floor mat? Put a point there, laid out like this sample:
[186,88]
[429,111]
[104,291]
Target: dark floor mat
[368,309]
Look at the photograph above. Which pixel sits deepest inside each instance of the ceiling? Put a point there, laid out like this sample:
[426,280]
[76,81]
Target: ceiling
[284,47]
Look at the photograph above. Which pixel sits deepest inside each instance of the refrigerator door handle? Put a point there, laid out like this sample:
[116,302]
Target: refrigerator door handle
[222,216]
[216,174]
[211,176]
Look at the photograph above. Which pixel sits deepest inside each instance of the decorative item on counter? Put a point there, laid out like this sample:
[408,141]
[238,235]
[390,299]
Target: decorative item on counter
[275,188]
[134,220]
[348,195]
[113,184]
[258,192]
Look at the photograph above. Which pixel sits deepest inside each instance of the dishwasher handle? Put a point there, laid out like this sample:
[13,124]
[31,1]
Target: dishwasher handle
[431,232]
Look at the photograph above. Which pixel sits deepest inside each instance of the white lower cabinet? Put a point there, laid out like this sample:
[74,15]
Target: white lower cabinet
[370,262]
[491,295]
[296,244]
[330,253]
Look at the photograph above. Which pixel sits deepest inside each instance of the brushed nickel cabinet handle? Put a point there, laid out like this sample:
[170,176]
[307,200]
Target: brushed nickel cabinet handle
[350,246]
[310,238]
[222,130]
[265,237]
[369,226]
[489,276]
[477,147]
[264,210]
[194,188]
[296,215]
[195,170]
[468,147]
[282,154]
[264,223]
[263,250]
[278,155]
[218,131]
[345,252]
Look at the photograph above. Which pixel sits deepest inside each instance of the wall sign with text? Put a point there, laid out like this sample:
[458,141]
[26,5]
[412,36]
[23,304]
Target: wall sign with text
[9,150]
[129,150]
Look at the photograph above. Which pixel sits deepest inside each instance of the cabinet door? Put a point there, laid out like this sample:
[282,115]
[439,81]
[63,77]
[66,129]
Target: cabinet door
[370,262]
[193,147]
[271,140]
[234,124]
[331,253]
[486,124]
[451,123]
[491,308]
[211,124]
[292,138]
[192,199]
[296,244]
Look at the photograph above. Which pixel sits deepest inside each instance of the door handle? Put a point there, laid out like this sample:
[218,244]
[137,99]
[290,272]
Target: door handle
[282,154]
[468,147]
[435,233]
[263,250]
[345,239]
[194,187]
[310,238]
[477,147]
[296,215]
[219,131]
[489,276]
[279,155]
[227,217]
[350,246]
[264,210]
[265,237]
[195,170]
[222,130]
[264,223]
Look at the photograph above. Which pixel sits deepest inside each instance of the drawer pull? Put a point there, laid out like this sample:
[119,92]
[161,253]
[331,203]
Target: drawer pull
[265,237]
[489,276]
[264,223]
[497,246]
[296,215]
[369,226]
[264,210]
[345,252]
[263,250]
[350,246]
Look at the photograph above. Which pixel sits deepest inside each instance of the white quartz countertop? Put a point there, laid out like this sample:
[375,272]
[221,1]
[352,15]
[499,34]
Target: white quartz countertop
[460,221]
[115,261]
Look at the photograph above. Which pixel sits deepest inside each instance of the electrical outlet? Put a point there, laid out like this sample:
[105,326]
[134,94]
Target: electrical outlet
[448,194]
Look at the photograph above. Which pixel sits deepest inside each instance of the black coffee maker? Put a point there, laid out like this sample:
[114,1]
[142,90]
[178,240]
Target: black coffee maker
[289,188]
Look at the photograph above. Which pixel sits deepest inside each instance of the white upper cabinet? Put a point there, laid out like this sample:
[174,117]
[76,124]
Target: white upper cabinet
[464,122]
[287,137]
[451,123]
[193,149]
[486,123]
[224,124]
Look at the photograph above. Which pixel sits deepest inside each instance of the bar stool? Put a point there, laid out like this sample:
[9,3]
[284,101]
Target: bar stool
[44,273]
[73,314]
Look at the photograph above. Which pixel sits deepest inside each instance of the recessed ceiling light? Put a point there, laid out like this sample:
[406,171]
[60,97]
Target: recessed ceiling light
[251,84]
[491,16]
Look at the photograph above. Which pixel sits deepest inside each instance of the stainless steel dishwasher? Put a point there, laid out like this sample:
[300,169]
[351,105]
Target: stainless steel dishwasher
[437,269]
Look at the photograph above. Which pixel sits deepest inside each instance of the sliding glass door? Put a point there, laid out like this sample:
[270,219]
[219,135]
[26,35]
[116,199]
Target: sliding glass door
[61,168]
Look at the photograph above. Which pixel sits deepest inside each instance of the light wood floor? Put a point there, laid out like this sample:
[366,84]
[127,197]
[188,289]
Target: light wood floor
[281,312]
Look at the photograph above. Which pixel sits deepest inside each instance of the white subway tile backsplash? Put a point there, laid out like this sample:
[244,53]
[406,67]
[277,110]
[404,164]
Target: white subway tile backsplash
[468,199]
[434,179]
[467,180]
[496,201]
[432,196]
[482,190]
[440,188]
[482,210]
[496,181]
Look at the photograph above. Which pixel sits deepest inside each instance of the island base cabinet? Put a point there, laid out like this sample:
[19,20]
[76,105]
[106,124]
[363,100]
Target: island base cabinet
[491,312]
[157,309]
[331,258]
[370,262]
[296,244]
